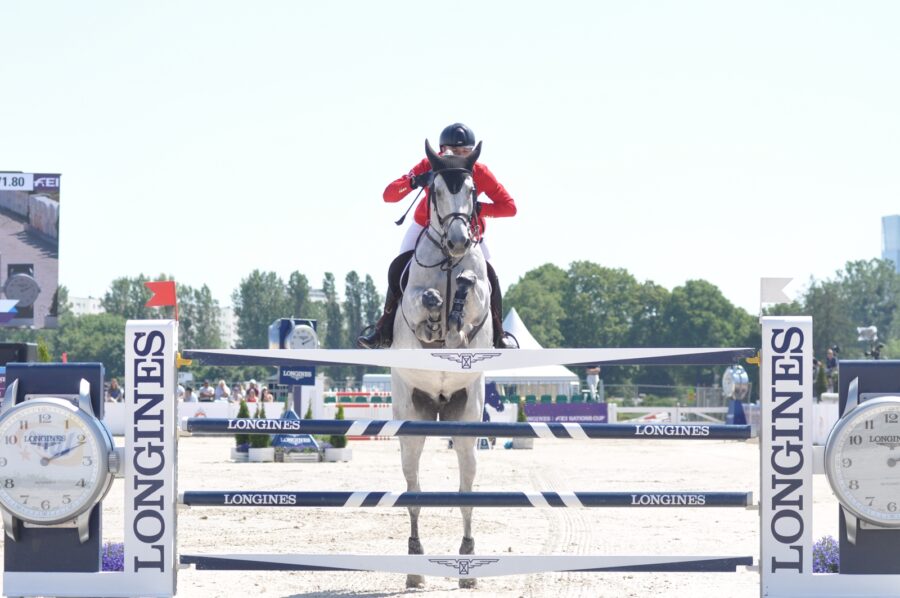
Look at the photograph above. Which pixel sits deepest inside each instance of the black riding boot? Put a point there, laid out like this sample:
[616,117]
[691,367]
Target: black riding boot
[502,340]
[382,333]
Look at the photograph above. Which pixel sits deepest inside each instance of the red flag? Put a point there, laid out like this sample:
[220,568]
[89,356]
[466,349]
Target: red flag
[163,293]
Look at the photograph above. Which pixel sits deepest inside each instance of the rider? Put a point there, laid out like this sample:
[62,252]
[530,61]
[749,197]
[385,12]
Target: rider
[459,140]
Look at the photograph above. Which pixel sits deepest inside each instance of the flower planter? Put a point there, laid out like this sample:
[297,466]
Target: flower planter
[261,455]
[338,454]
[523,443]
[238,455]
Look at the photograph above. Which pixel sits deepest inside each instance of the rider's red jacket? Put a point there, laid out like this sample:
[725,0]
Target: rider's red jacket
[503,205]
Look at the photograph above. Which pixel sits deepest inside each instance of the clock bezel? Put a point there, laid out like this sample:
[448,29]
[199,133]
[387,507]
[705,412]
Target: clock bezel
[98,433]
[832,456]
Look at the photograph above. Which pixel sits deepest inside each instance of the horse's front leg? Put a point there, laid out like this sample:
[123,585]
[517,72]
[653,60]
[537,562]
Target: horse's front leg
[458,329]
[427,312]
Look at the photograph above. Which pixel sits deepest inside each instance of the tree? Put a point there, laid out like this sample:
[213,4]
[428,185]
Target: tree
[298,295]
[354,291]
[372,301]
[537,298]
[334,325]
[258,301]
[199,320]
[94,337]
[698,315]
[871,290]
[127,297]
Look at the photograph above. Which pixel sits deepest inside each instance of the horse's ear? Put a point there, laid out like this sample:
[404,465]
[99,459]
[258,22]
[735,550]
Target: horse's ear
[473,157]
[433,158]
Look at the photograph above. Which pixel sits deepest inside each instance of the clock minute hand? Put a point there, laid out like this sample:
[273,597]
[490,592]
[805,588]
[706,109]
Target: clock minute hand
[46,460]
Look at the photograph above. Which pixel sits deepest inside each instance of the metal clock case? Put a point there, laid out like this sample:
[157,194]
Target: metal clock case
[862,462]
[56,461]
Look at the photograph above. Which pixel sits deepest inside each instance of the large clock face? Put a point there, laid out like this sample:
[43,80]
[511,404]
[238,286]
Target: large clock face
[53,461]
[862,461]
[302,337]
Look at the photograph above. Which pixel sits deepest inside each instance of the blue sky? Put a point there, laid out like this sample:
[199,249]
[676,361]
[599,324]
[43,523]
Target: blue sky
[678,140]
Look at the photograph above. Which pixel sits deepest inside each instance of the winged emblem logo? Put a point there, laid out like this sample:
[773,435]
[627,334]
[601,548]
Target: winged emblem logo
[465,360]
[462,566]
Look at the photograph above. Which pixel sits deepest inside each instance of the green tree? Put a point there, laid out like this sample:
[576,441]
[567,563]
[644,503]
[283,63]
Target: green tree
[537,298]
[298,295]
[260,299]
[871,290]
[334,327]
[199,319]
[127,297]
[698,315]
[99,337]
[372,301]
[354,291]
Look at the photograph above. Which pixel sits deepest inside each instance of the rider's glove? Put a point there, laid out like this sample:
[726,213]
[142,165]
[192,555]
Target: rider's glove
[421,180]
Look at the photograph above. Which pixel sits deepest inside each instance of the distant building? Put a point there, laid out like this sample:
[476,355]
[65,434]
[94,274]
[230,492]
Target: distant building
[317,295]
[86,306]
[228,324]
[890,240]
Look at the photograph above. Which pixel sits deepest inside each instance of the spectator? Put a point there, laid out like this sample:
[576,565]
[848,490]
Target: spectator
[237,393]
[180,392]
[189,395]
[831,369]
[114,393]
[221,391]
[206,393]
[593,378]
[268,397]
[251,395]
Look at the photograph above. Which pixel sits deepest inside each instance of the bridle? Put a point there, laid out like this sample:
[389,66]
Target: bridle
[470,218]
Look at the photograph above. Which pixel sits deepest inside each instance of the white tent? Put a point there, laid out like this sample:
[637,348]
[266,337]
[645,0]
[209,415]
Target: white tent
[549,379]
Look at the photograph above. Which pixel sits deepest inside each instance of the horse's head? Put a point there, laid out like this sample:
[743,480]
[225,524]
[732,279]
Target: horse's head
[452,199]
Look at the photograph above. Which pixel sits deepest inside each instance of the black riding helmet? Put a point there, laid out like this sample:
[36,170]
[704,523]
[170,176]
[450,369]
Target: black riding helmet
[457,135]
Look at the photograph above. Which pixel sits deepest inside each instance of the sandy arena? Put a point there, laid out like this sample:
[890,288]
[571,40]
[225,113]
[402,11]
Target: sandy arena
[554,465]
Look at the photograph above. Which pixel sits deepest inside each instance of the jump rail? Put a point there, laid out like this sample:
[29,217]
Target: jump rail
[456,360]
[365,427]
[226,498]
[468,566]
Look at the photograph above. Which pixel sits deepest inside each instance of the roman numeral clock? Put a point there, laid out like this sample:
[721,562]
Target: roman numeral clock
[862,464]
[57,462]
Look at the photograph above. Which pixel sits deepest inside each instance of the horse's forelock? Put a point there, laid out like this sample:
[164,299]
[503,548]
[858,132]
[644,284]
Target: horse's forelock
[454,179]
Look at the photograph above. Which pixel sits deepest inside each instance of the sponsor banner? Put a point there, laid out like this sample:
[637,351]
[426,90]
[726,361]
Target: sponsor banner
[786,452]
[297,375]
[580,412]
[150,445]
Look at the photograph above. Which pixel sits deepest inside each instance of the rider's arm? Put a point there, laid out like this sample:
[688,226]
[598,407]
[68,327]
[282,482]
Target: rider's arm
[400,188]
[503,204]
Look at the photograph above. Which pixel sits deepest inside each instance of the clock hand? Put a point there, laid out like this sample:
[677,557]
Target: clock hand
[46,460]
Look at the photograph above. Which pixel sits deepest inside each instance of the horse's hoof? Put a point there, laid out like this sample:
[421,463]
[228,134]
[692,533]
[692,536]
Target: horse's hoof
[468,583]
[415,546]
[416,581]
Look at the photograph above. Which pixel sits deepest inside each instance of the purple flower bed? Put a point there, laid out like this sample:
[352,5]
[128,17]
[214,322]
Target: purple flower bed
[113,556]
[826,556]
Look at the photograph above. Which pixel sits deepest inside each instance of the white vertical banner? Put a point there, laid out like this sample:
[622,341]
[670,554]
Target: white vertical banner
[786,435]
[151,438]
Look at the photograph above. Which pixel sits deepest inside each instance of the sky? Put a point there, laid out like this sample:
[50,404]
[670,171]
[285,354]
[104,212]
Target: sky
[678,140]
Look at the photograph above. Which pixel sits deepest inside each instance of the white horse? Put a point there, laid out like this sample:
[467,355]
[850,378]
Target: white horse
[446,304]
